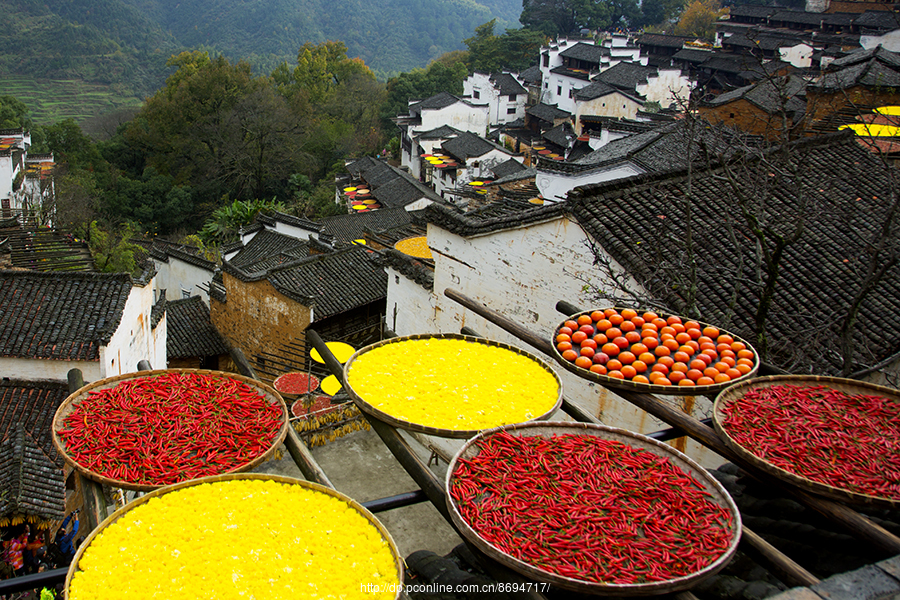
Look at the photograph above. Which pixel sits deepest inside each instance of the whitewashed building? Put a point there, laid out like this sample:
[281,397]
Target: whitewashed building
[443,109]
[504,94]
[475,156]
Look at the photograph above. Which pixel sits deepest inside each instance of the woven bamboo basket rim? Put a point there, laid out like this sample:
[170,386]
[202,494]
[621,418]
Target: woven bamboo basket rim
[546,429]
[850,386]
[71,403]
[435,431]
[664,390]
[385,534]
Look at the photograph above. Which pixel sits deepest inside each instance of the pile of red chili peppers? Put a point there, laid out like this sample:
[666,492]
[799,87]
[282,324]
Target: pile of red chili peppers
[163,429]
[589,508]
[822,434]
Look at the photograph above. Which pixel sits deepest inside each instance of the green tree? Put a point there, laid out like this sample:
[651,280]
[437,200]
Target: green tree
[699,19]
[515,50]
[419,84]
[225,221]
[13,113]
[112,252]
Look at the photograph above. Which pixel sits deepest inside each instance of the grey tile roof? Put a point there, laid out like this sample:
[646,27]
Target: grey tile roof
[60,316]
[32,484]
[346,228]
[334,283]
[561,135]
[412,268]
[496,216]
[659,39]
[263,246]
[878,19]
[595,90]
[658,150]
[692,55]
[507,85]
[402,191]
[797,16]
[626,75]
[764,42]
[438,133]
[752,10]
[547,112]
[507,168]
[30,468]
[639,225]
[772,96]
[869,68]
[531,75]
[190,331]
[468,145]
[436,102]
[586,52]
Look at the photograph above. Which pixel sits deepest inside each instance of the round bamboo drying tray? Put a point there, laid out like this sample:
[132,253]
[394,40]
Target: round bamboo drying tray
[71,403]
[368,408]
[548,429]
[398,561]
[848,386]
[665,390]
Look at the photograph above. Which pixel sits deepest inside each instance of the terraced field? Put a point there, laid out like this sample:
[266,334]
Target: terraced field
[53,100]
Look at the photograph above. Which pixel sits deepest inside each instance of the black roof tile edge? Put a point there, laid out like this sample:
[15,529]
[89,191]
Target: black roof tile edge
[412,268]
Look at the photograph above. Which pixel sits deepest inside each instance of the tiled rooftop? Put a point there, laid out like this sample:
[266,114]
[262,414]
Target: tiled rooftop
[190,332]
[60,316]
[819,274]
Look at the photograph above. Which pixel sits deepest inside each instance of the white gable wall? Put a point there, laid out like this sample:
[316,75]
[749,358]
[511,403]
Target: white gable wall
[410,308]
[670,86]
[555,185]
[799,56]
[459,115]
[889,41]
[613,104]
[133,340]
[560,90]
[177,276]
[479,88]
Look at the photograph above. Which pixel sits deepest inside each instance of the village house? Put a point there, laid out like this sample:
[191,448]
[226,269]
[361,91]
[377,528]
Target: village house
[503,93]
[852,85]
[475,157]
[26,182]
[440,110]
[601,99]
[99,323]
[664,85]
[277,287]
[772,108]
[646,150]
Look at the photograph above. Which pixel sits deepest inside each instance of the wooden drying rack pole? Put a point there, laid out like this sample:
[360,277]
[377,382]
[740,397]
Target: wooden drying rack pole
[848,518]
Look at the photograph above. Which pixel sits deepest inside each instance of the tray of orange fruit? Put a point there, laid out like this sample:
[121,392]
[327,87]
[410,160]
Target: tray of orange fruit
[646,351]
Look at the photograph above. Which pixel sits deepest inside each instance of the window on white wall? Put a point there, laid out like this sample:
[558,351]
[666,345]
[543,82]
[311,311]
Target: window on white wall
[476,94]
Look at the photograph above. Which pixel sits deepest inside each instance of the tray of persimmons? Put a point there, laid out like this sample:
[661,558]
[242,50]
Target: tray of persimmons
[645,351]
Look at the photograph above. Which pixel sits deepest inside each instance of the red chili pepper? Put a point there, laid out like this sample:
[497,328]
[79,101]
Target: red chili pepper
[594,509]
[820,433]
[161,429]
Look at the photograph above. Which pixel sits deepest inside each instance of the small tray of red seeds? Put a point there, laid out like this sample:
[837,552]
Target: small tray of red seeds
[645,351]
[141,431]
[591,508]
[839,438]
